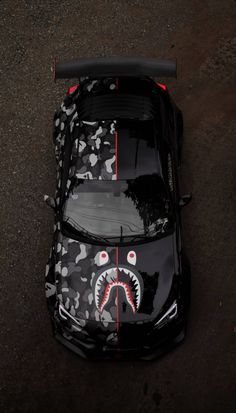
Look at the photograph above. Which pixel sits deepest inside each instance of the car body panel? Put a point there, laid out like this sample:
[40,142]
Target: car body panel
[138,283]
[79,265]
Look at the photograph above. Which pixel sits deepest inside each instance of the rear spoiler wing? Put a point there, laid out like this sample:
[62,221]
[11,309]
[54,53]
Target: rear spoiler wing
[115,66]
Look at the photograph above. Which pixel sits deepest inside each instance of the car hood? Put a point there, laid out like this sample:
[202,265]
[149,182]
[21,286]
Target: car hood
[115,284]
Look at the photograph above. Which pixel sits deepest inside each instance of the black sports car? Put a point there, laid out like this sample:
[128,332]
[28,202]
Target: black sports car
[117,281]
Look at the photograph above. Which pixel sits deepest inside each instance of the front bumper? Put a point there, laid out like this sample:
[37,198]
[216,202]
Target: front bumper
[151,345]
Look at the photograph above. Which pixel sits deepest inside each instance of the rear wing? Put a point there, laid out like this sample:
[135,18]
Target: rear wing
[115,66]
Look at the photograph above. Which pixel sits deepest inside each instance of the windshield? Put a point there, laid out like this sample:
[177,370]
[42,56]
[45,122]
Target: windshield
[118,210]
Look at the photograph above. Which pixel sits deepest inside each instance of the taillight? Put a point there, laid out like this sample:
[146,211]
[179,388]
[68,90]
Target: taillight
[164,87]
[71,89]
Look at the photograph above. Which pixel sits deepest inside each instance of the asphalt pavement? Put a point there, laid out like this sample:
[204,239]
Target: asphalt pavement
[36,373]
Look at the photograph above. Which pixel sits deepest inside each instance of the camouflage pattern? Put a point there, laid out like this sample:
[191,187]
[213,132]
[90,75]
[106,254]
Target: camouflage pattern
[92,157]
[93,152]
[79,277]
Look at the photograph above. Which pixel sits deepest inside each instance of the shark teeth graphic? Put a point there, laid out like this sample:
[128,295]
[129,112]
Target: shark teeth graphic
[108,279]
[128,294]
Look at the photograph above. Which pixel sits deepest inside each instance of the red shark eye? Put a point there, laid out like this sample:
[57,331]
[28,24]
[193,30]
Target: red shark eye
[103,259]
[131,257]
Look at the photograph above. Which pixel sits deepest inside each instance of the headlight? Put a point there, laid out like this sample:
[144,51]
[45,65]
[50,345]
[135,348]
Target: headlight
[65,315]
[171,313]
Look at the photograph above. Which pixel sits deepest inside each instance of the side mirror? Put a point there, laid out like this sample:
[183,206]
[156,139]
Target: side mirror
[185,199]
[50,201]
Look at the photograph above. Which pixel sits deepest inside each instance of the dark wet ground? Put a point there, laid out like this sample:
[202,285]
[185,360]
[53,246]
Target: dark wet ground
[36,373]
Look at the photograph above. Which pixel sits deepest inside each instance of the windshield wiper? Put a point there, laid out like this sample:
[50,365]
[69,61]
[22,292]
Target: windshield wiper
[154,233]
[74,226]
[121,233]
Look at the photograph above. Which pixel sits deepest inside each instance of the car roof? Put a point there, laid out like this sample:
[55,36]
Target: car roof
[114,149]
[116,129]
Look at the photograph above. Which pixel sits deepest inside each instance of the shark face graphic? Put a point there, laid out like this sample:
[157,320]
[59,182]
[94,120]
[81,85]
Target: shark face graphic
[120,280]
